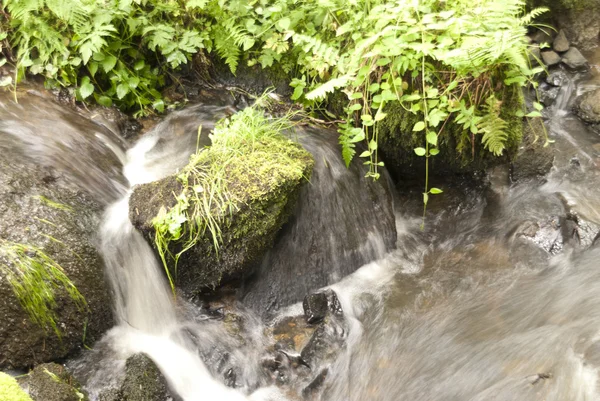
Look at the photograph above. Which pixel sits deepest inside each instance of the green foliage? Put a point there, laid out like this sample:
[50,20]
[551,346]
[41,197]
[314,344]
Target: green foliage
[115,51]
[35,279]
[209,194]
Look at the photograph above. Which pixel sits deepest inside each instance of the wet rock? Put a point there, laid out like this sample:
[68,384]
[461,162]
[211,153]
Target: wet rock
[143,381]
[575,60]
[557,77]
[534,160]
[318,305]
[40,207]
[550,58]
[548,93]
[315,307]
[587,107]
[51,382]
[325,344]
[292,333]
[560,44]
[316,385]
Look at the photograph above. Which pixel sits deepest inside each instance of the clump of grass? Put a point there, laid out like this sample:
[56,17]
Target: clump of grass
[35,279]
[211,189]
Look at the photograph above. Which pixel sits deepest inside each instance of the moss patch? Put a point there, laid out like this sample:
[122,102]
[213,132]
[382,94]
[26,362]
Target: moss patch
[10,390]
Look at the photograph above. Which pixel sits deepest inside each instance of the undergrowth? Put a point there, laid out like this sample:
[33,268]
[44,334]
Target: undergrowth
[36,279]
[211,191]
[444,61]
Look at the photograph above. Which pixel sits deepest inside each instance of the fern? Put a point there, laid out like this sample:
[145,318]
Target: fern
[231,54]
[493,127]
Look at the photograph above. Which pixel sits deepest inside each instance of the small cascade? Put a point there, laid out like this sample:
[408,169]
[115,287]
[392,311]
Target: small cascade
[342,221]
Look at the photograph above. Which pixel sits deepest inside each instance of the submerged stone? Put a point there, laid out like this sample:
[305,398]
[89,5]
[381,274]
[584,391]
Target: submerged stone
[143,381]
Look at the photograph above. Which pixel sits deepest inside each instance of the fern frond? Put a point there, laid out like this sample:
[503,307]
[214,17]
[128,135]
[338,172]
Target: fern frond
[231,54]
[493,127]
[321,91]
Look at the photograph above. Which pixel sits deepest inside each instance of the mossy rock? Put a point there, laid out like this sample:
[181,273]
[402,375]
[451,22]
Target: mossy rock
[458,153]
[263,187]
[51,382]
[43,203]
[10,390]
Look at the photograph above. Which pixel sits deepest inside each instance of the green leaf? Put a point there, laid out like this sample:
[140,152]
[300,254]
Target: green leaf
[122,90]
[139,65]
[425,198]
[420,126]
[434,151]
[355,107]
[538,106]
[432,138]
[366,153]
[373,145]
[159,105]
[283,24]
[85,88]
[533,114]
[420,151]
[109,63]
[435,191]
[104,101]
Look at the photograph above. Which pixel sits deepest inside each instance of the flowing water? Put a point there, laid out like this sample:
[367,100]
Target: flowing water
[498,298]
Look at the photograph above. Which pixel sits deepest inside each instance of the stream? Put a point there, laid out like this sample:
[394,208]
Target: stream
[495,299]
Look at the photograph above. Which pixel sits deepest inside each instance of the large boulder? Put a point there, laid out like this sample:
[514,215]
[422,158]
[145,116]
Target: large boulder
[262,190]
[46,210]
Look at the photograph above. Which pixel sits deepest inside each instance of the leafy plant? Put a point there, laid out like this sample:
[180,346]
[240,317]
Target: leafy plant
[35,279]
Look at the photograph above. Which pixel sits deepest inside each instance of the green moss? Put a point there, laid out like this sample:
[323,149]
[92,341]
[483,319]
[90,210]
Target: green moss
[10,390]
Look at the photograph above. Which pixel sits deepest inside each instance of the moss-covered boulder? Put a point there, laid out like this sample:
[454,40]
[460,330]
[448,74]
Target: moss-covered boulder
[46,211]
[143,381]
[51,382]
[10,390]
[226,205]
[460,151]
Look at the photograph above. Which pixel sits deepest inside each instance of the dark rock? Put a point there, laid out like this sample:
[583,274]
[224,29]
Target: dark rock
[45,202]
[587,107]
[143,381]
[557,77]
[548,94]
[550,58]
[325,344]
[575,60]
[51,382]
[560,44]
[315,307]
[534,160]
